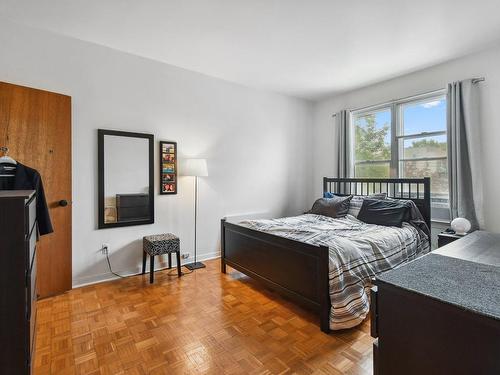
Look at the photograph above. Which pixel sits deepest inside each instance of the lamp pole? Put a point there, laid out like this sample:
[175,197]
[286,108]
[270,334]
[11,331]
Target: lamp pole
[195,265]
[195,214]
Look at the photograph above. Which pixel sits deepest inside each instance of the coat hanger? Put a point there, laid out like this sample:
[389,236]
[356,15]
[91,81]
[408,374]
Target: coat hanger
[5,158]
[7,163]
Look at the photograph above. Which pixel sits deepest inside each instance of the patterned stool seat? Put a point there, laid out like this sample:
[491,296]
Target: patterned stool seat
[160,244]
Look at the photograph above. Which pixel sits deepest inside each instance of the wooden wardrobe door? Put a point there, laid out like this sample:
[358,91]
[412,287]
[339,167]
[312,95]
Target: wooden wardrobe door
[36,127]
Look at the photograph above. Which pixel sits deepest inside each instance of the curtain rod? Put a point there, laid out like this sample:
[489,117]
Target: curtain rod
[474,80]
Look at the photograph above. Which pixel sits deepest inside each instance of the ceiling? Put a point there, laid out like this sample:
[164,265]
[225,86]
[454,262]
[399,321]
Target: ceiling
[304,48]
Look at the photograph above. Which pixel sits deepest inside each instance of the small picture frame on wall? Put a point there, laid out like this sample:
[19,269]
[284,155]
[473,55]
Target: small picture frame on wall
[168,167]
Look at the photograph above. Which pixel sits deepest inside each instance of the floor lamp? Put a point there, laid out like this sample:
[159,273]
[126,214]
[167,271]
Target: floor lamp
[196,168]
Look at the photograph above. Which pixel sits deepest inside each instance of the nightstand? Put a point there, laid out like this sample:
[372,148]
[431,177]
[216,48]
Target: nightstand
[444,238]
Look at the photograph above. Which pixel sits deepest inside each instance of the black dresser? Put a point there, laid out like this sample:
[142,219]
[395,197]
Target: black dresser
[18,236]
[440,314]
[445,238]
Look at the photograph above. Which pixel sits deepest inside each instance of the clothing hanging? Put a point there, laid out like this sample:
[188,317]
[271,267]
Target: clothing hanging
[26,178]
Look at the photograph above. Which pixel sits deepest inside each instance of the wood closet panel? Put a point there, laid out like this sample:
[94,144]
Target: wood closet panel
[36,126]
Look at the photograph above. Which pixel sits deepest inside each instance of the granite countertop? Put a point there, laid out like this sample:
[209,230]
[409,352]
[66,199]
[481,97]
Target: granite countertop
[469,285]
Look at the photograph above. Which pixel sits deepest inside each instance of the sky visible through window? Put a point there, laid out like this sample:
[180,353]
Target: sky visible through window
[427,116]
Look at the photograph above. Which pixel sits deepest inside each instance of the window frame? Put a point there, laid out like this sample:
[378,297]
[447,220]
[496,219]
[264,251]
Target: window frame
[396,128]
[367,110]
[398,125]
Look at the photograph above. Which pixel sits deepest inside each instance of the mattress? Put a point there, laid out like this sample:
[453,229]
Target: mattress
[357,252]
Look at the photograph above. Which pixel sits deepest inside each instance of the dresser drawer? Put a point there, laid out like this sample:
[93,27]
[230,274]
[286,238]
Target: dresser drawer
[30,212]
[30,245]
[31,318]
[31,291]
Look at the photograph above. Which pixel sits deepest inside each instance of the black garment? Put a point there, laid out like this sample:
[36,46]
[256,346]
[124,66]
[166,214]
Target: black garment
[27,178]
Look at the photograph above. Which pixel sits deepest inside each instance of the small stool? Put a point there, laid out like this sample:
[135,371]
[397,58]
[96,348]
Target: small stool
[160,244]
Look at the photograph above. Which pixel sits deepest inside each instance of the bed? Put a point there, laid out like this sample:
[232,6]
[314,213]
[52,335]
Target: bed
[295,257]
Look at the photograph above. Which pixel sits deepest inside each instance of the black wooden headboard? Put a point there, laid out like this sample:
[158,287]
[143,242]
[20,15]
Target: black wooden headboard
[416,189]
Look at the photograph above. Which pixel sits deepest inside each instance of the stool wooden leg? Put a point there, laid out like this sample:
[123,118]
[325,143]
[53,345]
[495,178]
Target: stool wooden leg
[169,260]
[144,262]
[151,269]
[178,254]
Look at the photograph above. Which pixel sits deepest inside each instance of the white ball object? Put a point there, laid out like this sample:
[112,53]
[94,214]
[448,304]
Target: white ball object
[460,225]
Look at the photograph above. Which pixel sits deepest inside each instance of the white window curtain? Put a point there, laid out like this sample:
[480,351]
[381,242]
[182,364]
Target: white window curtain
[345,149]
[464,153]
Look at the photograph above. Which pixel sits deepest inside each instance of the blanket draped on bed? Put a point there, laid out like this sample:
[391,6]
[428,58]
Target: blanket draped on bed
[357,252]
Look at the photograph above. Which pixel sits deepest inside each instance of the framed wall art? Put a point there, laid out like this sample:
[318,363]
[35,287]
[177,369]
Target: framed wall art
[168,167]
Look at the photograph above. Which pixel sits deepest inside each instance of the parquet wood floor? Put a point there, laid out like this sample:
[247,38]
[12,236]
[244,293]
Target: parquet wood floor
[202,323]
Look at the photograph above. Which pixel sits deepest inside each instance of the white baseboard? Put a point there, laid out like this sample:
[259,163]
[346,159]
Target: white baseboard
[108,276]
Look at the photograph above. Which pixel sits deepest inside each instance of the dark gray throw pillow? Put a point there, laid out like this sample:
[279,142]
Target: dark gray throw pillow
[357,202]
[331,207]
[390,213]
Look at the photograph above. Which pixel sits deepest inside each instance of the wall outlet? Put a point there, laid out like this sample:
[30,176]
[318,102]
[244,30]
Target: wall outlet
[105,248]
[185,256]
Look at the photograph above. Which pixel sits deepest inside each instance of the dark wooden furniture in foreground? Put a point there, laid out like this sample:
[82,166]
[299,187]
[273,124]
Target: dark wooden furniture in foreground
[440,314]
[300,270]
[444,238]
[160,244]
[18,237]
[478,246]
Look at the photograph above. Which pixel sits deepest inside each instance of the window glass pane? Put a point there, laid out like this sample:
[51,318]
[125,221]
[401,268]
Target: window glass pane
[372,170]
[418,117]
[441,212]
[372,142]
[372,146]
[425,147]
[437,170]
[424,116]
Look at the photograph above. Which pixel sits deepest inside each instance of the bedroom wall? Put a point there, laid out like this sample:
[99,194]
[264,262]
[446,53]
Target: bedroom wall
[485,63]
[256,142]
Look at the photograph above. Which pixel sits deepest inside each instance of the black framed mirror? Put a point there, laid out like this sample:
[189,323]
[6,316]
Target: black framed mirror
[126,178]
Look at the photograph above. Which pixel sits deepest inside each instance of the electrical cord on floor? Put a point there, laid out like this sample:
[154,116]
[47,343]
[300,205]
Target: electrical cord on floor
[110,269]
[170,273]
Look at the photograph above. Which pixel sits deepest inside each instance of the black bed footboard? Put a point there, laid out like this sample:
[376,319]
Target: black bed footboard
[295,269]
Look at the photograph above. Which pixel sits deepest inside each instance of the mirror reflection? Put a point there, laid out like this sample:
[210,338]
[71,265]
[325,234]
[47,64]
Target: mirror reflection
[126,188]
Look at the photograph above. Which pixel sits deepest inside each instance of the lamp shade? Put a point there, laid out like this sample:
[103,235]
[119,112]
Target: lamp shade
[195,167]
[461,225]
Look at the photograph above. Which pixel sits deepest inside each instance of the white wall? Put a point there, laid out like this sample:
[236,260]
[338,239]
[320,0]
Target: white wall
[256,143]
[485,64]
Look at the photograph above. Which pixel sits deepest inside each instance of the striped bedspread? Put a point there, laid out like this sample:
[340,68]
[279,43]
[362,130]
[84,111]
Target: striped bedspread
[358,251]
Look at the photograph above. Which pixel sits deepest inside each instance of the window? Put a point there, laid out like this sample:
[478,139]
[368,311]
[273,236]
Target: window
[372,146]
[406,138]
